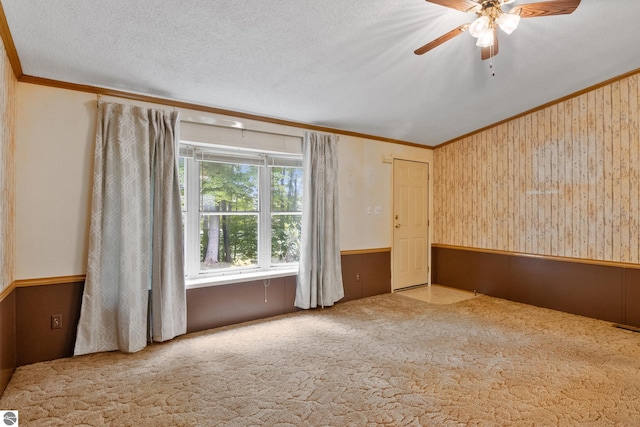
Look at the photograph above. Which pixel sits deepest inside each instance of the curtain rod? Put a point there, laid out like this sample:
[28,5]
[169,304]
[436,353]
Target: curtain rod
[221,123]
[229,124]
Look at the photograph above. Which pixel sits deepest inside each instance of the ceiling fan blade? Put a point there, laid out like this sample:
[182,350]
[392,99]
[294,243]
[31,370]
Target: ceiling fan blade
[488,52]
[461,5]
[547,8]
[443,38]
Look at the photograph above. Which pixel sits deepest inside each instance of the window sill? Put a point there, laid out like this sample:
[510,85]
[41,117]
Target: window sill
[239,278]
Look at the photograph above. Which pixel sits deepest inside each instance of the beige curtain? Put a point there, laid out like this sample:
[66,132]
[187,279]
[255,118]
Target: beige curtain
[320,272]
[135,275]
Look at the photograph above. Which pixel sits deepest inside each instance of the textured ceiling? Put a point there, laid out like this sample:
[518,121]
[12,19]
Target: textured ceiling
[344,64]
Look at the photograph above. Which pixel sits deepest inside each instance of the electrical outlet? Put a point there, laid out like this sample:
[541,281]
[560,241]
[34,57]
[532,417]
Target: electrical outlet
[56,321]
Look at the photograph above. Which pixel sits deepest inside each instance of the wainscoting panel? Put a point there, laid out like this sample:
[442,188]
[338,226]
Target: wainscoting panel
[485,273]
[7,339]
[606,292]
[289,294]
[366,274]
[585,289]
[632,297]
[36,341]
[222,305]
[376,273]
[351,277]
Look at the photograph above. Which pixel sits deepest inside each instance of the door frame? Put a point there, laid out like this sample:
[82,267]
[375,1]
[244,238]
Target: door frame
[428,208]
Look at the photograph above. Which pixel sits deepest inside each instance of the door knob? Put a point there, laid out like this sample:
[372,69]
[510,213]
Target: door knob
[397,225]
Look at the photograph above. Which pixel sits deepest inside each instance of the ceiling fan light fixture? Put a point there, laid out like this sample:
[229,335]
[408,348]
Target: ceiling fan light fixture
[490,15]
[508,22]
[479,26]
[486,39]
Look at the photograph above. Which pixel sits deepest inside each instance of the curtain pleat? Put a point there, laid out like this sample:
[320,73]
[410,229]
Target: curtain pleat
[319,280]
[135,230]
[168,263]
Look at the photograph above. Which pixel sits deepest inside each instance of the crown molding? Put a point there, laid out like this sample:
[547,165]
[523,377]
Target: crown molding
[9,46]
[101,91]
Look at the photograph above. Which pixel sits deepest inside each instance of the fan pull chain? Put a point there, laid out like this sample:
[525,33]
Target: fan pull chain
[493,71]
[266,283]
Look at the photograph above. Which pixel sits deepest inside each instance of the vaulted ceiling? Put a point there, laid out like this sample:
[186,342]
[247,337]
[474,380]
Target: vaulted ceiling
[342,64]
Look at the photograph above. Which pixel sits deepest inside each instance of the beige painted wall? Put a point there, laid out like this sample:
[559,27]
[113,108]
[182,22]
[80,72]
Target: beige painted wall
[562,181]
[56,131]
[55,135]
[7,170]
[366,171]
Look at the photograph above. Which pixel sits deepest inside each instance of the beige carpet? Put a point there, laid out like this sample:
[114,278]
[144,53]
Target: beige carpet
[386,360]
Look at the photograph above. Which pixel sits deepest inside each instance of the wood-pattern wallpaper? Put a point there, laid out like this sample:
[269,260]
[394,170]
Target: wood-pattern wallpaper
[560,181]
[7,169]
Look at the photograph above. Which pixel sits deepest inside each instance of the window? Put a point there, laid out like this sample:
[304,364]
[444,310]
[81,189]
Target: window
[241,210]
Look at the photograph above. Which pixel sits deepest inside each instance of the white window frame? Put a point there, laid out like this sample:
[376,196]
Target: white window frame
[191,152]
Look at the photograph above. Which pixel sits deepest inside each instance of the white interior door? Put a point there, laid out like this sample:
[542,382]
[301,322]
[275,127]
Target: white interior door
[410,222]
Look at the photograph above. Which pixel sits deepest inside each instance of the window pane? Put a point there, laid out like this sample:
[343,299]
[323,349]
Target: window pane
[285,238]
[286,189]
[228,241]
[228,187]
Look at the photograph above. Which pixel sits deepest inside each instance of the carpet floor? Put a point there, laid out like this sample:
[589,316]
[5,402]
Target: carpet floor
[387,360]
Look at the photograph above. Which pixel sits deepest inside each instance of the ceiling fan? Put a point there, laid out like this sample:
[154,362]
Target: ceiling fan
[491,16]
